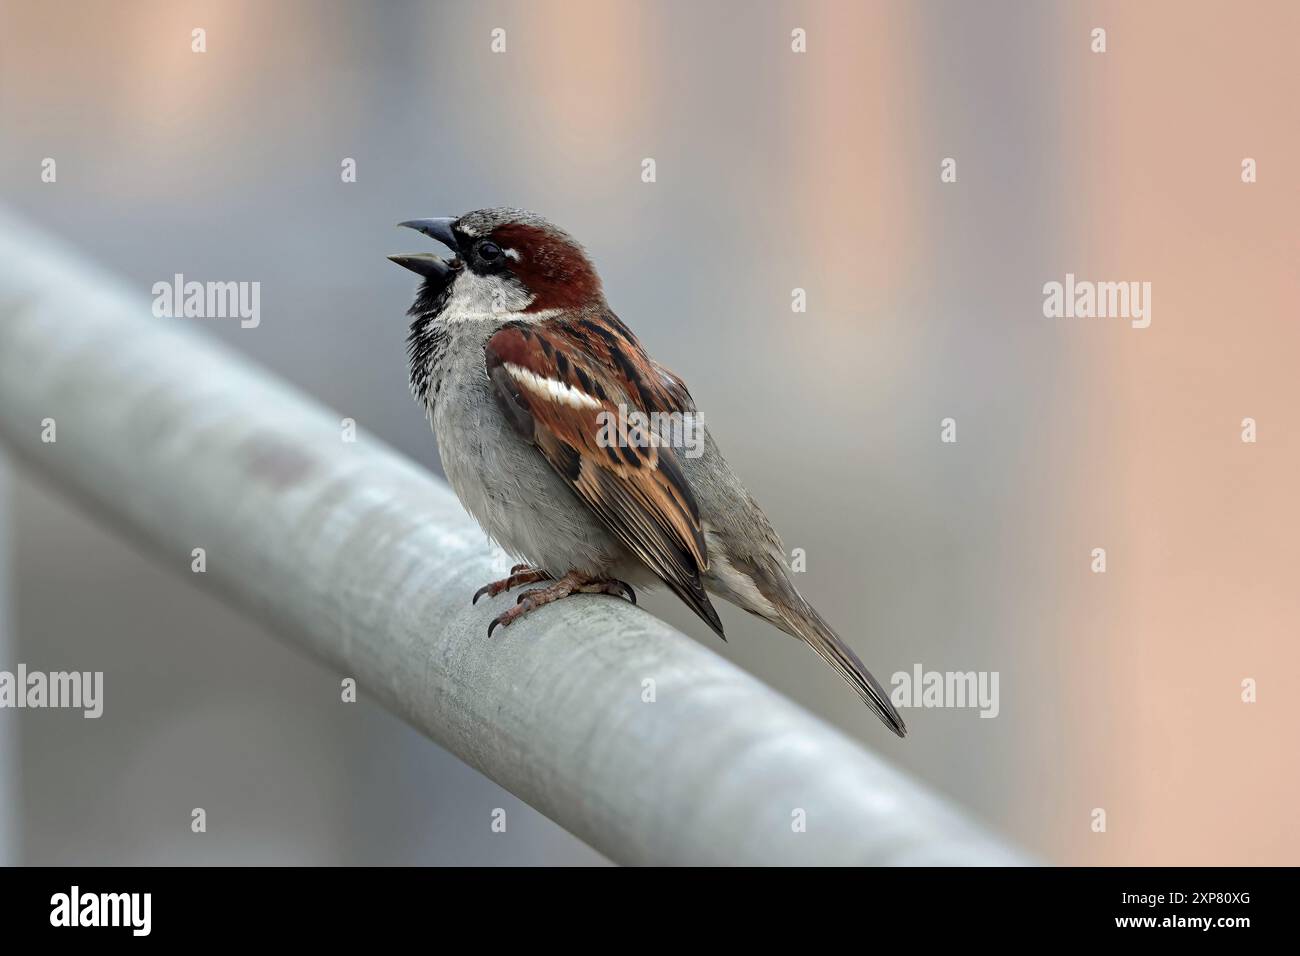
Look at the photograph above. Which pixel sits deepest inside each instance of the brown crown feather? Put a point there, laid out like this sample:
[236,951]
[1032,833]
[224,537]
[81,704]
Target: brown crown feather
[553,268]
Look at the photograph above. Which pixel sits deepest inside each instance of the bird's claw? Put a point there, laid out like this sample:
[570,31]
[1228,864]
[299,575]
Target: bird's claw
[519,574]
[571,583]
[508,617]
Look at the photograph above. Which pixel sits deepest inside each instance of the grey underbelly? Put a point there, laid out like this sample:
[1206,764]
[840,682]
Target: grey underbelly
[510,489]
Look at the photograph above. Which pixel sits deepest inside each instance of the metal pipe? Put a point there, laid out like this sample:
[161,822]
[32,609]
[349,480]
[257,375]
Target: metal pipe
[358,556]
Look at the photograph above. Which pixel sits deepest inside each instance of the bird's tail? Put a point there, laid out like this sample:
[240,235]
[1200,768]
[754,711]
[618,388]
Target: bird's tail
[804,622]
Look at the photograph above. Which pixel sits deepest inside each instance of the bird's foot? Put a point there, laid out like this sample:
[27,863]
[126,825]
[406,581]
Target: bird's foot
[519,574]
[571,583]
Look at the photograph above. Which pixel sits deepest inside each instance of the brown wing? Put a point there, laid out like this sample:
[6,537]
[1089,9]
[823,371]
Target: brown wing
[571,387]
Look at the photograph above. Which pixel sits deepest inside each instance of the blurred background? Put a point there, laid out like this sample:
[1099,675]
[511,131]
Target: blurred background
[775,170]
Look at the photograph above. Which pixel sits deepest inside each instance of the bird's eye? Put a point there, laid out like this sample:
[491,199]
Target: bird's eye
[487,251]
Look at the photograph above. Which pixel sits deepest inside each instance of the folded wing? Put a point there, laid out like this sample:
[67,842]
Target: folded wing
[572,386]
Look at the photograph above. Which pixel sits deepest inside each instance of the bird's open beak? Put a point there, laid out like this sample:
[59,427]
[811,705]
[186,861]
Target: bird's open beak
[425,263]
[439,229]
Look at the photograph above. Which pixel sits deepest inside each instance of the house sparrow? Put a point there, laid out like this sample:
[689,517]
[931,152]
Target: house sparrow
[530,380]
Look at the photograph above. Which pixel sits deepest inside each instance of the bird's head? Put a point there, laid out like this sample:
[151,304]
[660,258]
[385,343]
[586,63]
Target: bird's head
[507,262]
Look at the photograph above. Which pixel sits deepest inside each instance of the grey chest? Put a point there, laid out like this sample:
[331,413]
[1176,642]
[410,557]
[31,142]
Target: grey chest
[501,478]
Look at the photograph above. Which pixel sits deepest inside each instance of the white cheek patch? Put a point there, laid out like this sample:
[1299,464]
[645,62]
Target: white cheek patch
[550,388]
[513,254]
[474,297]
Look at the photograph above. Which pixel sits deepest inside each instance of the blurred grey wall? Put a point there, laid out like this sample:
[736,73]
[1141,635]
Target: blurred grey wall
[10,804]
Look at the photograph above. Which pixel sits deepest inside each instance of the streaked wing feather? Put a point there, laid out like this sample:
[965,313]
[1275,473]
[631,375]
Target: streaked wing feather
[554,379]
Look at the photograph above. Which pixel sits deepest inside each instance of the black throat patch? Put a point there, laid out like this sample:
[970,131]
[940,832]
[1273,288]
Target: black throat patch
[428,339]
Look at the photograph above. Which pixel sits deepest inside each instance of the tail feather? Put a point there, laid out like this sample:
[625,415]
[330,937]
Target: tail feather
[806,623]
